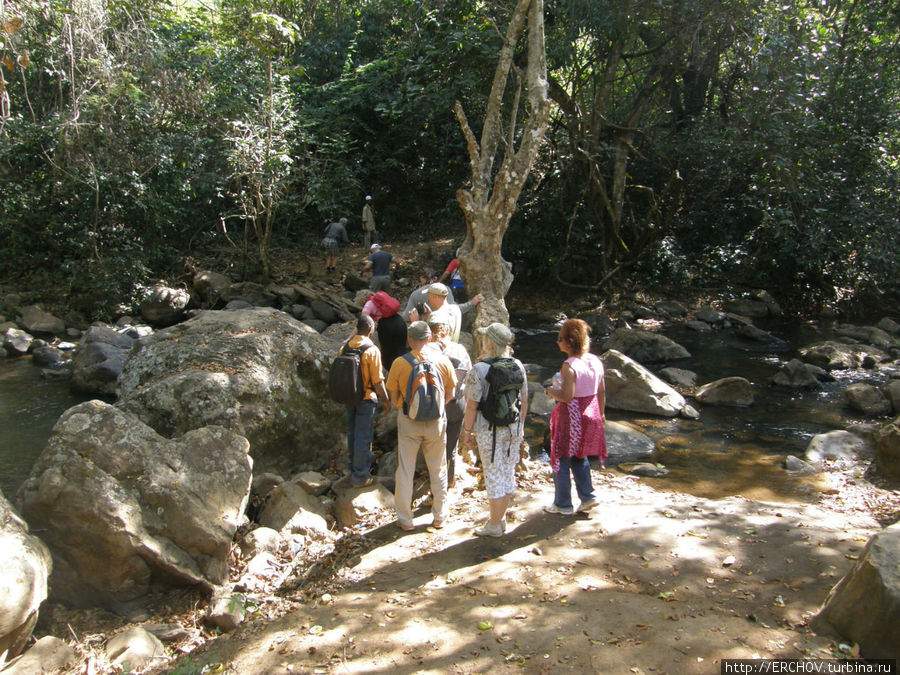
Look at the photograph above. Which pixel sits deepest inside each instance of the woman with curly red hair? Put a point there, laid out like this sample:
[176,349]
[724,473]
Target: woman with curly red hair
[578,421]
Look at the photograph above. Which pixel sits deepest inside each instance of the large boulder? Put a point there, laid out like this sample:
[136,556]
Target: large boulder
[124,510]
[98,360]
[258,372]
[17,342]
[887,450]
[868,400]
[864,606]
[630,386]
[838,445]
[798,374]
[25,566]
[644,346]
[832,355]
[36,320]
[210,286]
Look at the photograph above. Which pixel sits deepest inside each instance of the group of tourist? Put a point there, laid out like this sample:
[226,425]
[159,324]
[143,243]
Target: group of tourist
[576,423]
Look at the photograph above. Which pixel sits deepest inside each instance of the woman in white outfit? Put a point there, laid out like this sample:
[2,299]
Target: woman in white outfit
[499,451]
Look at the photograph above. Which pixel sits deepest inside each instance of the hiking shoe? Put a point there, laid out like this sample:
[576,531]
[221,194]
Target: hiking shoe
[562,510]
[438,523]
[406,527]
[586,506]
[366,483]
[488,530]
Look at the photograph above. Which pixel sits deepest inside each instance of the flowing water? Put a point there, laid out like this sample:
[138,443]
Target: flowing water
[728,451]
[29,407]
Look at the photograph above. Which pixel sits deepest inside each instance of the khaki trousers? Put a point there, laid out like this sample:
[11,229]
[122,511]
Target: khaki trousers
[431,438]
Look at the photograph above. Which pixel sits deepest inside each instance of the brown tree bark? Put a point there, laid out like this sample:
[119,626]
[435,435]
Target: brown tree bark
[490,201]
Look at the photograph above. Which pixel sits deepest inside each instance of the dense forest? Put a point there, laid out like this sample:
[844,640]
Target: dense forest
[728,143]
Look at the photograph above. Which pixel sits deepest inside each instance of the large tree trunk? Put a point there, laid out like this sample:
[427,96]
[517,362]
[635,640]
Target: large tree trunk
[491,200]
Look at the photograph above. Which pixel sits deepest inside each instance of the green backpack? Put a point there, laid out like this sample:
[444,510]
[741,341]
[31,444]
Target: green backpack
[501,404]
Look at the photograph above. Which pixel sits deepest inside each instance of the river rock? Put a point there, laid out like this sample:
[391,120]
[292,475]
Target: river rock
[837,445]
[258,372]
[679,377]
[832,355]
[710,315]
[124,510]
[256,295]
[17,342]
[164,305]
[626,444]
[645,347]
[47,655]
[798,375]
[864,606]
[869,335]
[600,323]
[44,355]
[290,508]
[540,403]
[259,540]
[729,391]
[797,465]
[134,648]
[755,309]
[887,445]
[868,400]
[313,482]
[226,610]
[354,504]
[751,332]
[36,320]
[209,286]
[98,360]
[671,309]
[699,326]
[892,391]
[25,566]
[630,386]
[645,469]
[889,326]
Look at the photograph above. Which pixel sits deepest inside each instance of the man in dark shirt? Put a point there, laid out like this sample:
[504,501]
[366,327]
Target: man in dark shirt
[335,237]
[380,263]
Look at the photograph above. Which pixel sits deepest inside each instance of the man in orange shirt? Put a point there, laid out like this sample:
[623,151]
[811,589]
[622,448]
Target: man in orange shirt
[429,435]
[361,417]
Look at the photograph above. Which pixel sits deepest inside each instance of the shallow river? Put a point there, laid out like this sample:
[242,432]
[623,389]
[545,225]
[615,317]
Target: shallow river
[727,451]
[730,451]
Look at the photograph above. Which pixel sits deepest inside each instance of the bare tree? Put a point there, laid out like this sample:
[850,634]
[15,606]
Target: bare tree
[490,201]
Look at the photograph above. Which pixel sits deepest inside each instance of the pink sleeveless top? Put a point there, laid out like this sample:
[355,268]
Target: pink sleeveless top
[588,374]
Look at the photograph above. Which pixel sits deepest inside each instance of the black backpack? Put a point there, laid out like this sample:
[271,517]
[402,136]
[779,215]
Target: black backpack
[345,384]
[501,405]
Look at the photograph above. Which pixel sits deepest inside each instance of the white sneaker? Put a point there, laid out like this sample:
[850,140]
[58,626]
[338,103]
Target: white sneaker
[553,508]
[586,506]
[488,530]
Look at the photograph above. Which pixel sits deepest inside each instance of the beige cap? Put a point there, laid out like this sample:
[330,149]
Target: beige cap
[498,333]
[439,289]
[441,315]
[418,330]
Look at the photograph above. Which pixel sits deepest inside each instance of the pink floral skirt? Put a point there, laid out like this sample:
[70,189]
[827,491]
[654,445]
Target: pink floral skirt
[577,430]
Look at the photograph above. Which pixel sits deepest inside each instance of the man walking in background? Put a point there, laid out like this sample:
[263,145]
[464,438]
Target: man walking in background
[368,223]
[379,262]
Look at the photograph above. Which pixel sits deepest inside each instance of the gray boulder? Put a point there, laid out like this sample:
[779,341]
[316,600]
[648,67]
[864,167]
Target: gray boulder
[888,325]
[679,377]
[257,372]
[135,648]
[887,447]
[47,655]
[125,511]
[798,375]
[255,294]
[864,606]
[645,347]
[36,320]
[728,391]
[630,386]
[710,315]
[626,444]
[892,391]
[755,309]
[837,445]
[99,359]
[25,566]
[210,287]
[164,305]
[17,342]
[869,335]
[832,355]
[671,308]
[868,400]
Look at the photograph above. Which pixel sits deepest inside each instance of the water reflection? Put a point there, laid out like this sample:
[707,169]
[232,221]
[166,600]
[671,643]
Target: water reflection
[731,451]
[29,407]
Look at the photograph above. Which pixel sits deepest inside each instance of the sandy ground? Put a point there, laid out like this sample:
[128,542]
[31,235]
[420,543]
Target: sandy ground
[650,582]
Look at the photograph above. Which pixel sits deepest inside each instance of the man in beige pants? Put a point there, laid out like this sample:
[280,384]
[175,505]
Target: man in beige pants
[429,435]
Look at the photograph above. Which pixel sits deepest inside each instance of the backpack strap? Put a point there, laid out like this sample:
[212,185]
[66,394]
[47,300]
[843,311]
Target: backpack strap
[409,358]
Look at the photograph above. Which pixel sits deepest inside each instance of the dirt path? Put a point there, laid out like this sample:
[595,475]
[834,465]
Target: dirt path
[651,582]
